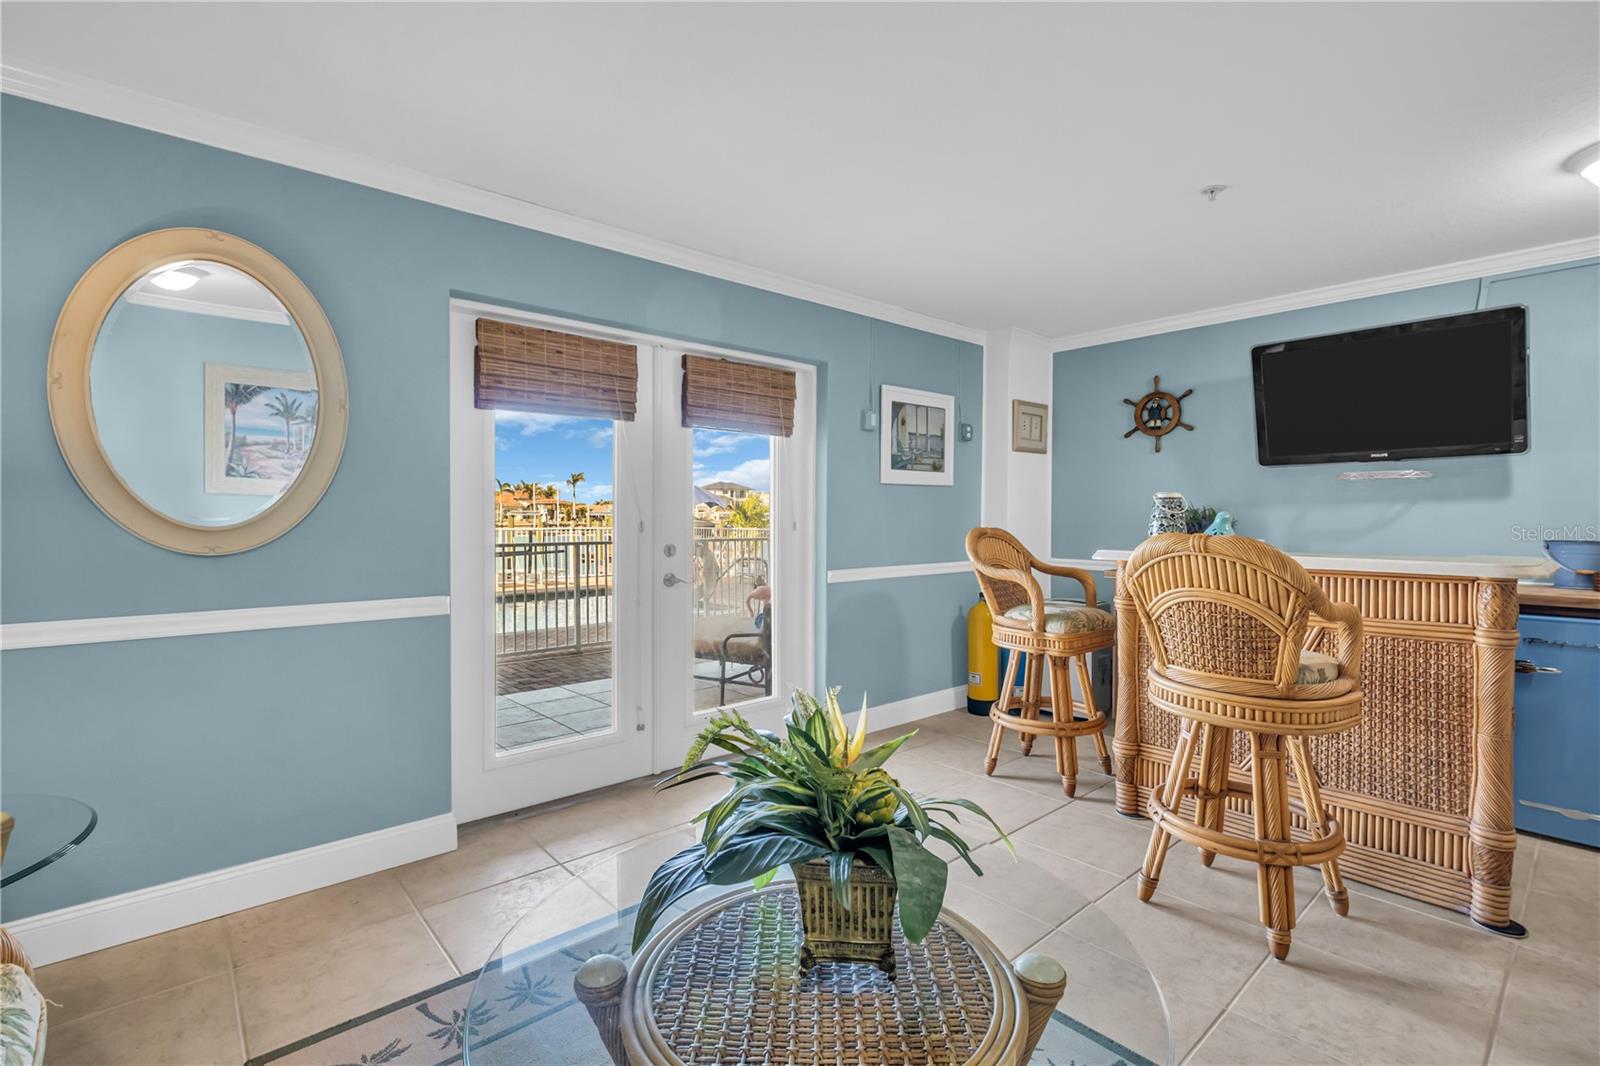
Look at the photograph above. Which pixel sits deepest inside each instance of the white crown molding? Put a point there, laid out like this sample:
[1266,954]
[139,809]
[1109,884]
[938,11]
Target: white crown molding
[15,636]
[880,573]
[1464,270]
[103,923]
[206,307]
[127,106]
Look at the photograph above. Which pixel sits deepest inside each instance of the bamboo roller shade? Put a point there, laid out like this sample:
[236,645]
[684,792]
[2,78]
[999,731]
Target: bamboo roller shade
[740,397]
[522,368]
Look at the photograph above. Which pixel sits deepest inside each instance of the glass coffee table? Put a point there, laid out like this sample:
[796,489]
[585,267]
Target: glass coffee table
[46,829]
[523,1006]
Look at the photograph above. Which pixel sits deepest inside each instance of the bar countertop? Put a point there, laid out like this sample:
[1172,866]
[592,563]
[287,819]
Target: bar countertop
[1509,567]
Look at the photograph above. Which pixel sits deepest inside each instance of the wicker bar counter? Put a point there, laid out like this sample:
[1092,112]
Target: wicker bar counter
[1422,787]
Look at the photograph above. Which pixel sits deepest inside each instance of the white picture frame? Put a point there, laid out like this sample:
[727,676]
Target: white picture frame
[916,433]
[300,384]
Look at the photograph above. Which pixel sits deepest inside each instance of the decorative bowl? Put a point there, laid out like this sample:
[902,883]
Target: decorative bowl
[1580,561]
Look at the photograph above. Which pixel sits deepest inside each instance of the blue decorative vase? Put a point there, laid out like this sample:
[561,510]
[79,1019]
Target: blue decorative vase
[1166,513]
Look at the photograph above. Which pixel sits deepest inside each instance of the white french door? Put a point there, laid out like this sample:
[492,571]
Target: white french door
[590,638]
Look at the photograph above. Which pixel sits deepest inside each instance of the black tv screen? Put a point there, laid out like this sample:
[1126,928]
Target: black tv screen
[1445,386]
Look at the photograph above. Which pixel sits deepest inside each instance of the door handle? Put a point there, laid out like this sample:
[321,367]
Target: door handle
[670,580]
[1527,666]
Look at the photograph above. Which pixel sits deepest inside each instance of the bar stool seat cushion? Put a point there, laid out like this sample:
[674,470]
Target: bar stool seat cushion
[1064,616]
[1315,668]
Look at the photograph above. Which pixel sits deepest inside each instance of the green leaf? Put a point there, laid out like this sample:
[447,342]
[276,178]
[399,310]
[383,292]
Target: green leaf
[939,832]
[763,880]
[839,863]
[745,857]
[914,812]
[876,757]
[881,855]
[920,877]
[678,876]
[968,805]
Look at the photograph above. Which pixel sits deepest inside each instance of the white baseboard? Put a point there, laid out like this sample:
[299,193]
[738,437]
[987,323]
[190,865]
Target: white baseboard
[910,709]
[104,923]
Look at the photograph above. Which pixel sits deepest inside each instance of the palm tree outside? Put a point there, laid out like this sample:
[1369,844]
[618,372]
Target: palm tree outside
[575,480]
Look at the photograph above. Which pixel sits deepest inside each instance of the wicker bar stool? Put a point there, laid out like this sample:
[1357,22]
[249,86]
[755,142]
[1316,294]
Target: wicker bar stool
[1226,620]
[1054,634]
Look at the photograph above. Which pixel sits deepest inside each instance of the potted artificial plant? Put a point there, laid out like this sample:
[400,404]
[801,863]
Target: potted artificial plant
[813,799]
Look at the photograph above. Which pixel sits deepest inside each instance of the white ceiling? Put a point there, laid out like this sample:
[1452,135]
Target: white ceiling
[991,165]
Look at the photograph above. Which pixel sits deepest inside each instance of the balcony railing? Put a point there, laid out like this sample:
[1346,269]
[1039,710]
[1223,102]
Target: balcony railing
[555,586]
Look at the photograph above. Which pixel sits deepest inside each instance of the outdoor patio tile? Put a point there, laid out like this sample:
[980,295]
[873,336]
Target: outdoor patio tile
[594,718]
[567,704]
[510,712]
[540,695]
[592,688]
[531,732]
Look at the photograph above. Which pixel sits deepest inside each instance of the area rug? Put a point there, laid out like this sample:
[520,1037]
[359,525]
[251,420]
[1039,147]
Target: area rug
[526,1012]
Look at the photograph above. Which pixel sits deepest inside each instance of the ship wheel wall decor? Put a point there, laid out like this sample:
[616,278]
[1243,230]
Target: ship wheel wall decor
[1157,413]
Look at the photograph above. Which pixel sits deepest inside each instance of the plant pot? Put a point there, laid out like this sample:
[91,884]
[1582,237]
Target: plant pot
[863,933]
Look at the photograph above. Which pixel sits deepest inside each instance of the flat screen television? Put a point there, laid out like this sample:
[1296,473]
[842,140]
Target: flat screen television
[1442,387]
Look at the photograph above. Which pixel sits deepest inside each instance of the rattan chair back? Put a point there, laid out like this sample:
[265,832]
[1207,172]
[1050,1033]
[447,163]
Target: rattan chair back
[1009,580]
[1227,613]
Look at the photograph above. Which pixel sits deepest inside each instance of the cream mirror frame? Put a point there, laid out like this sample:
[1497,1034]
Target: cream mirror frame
[71,400]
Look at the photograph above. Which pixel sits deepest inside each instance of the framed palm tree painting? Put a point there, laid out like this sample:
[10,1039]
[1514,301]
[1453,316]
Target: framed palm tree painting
[259,423]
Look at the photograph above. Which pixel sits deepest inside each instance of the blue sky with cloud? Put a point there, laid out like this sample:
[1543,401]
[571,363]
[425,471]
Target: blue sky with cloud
[542,448]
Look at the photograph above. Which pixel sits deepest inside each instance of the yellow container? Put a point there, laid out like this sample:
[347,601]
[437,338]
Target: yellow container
[983,659]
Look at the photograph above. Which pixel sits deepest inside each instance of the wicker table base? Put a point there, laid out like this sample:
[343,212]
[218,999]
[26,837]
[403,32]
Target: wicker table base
[723,985]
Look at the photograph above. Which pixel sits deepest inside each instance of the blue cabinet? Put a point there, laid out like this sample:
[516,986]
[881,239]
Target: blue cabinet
[1557,744]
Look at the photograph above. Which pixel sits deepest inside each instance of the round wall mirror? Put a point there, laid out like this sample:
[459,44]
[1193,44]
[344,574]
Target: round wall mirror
[197,391]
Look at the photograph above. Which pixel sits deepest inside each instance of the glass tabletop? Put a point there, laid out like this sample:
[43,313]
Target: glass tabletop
[46,828]
[523,1009]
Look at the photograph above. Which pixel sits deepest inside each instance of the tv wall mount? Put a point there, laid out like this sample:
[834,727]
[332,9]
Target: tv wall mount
[1157,413]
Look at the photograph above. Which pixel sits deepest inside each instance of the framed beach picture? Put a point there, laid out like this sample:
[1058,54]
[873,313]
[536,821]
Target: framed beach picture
[259,424]
[915,437]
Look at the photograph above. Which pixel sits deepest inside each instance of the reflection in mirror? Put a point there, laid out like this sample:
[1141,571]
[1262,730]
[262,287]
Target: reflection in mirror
[203,393]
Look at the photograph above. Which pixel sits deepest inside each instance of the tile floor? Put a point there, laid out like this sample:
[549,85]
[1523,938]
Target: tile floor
[557,712]
[1396,982]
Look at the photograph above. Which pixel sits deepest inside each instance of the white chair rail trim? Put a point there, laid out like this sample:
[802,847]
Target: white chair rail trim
[15,636]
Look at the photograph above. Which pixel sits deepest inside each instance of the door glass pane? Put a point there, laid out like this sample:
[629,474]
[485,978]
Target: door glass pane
[733,589]
[554,570]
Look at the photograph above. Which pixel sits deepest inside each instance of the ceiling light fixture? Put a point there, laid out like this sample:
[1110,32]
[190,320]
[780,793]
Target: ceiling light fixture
[178,279]
[1586,164]
[1210,192]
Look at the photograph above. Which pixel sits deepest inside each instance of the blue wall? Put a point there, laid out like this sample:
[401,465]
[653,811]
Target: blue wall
[147,380]
[1474,505]
[209,751]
